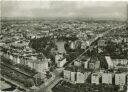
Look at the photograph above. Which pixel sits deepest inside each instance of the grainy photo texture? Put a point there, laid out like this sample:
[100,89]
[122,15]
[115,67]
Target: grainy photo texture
[64,46]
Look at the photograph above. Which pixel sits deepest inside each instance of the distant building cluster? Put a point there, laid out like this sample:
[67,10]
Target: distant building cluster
[89,56]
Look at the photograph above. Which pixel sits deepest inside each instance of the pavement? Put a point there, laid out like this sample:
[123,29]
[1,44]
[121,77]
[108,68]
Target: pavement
[96,38]
[56,72]
[56,78]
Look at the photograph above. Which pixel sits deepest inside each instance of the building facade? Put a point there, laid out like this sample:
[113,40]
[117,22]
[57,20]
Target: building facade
[73,76]
[95,78]
[107,78]
[80,78]
[67,74]
[120,79]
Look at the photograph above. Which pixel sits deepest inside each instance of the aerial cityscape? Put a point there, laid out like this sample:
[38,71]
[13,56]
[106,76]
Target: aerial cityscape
[67,49]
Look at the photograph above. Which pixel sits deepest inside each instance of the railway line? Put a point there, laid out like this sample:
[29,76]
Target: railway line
[2,64]
[95,39]
[15,77]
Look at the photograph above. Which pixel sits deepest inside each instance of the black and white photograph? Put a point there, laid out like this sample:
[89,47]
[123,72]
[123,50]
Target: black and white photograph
[63,46]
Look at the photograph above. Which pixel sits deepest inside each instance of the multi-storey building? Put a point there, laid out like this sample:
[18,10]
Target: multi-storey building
[86,64]
[80,78]
[120,79]
[67,74]
[127,80]
[40,65]
[58,57]
[76,76]
[73,76]
[107,78]
[95,78]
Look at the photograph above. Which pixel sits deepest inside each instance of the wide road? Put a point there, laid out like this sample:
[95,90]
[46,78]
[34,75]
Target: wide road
[48,87]
[57,78]
[51,84]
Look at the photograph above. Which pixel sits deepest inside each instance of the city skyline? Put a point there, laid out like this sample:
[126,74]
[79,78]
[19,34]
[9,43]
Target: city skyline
[64,46]
[65,9]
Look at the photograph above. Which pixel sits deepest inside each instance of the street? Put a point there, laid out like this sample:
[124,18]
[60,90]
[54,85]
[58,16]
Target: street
[52,83]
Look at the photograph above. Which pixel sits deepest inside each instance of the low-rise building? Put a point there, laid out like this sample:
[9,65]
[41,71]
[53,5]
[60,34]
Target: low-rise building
[62,62]
[120,61]
[97,64]
[91,65]
[72,45]
[101,43]
[83,45]
[77,63]
[58,57]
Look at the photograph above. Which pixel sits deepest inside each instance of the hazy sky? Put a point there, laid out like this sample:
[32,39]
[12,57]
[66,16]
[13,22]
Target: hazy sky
[85,9]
